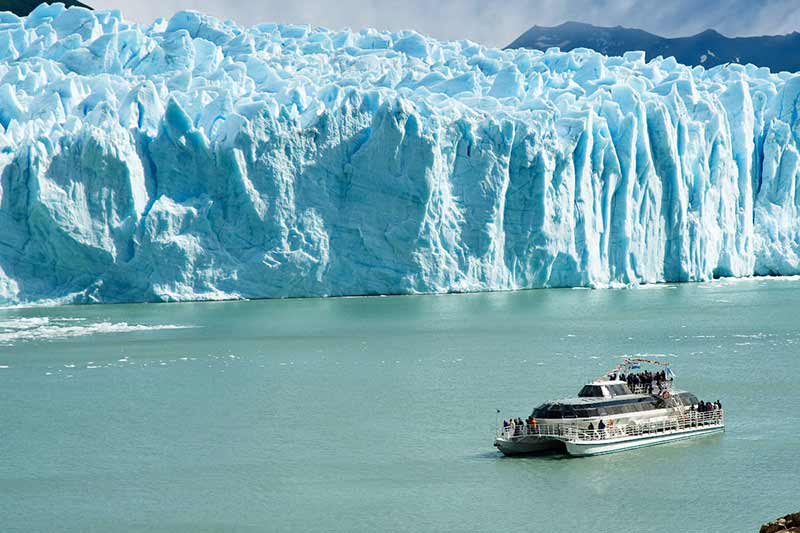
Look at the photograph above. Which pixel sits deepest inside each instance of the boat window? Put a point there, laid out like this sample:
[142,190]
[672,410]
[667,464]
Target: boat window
[591,391]
[619,390]
[599,407]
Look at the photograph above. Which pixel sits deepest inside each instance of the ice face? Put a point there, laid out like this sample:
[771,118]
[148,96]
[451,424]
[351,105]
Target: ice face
[193,158]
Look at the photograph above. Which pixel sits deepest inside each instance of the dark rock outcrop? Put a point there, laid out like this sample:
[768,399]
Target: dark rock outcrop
[786,524]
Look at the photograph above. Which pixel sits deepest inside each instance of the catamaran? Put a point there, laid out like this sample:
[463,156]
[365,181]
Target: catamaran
[622,410]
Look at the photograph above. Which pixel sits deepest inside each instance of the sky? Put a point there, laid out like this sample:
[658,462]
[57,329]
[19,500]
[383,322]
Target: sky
[491,22]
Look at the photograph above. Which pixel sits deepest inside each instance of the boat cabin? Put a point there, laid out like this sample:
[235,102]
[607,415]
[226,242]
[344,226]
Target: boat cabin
[607,398]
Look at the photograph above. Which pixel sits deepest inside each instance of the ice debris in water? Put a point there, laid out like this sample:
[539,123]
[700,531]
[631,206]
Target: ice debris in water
[193,158]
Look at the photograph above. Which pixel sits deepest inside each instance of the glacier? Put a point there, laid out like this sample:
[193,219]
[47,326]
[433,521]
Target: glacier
[193,158]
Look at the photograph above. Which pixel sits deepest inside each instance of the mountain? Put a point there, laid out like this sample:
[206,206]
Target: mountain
[198,159]
[709,48]
[24,7]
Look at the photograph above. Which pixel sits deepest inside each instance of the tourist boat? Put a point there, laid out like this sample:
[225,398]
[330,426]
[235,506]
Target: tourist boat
[633,415]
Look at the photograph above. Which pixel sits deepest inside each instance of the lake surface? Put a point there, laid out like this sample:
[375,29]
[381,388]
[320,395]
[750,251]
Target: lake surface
[377,414]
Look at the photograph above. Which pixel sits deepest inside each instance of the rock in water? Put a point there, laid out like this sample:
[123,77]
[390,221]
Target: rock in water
[787,524]
[193,158]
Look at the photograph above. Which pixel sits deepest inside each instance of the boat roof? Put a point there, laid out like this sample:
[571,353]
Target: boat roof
[595,399]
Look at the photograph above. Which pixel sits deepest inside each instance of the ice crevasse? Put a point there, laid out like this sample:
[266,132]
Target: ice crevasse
[193,158]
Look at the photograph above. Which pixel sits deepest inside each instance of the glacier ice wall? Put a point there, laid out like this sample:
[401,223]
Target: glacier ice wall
[193,158]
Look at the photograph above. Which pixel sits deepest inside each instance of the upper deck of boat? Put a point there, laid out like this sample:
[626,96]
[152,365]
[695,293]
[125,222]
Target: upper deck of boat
[602,391]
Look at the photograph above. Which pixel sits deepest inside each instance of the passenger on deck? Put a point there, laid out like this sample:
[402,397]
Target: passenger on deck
[590,427]
[601,426]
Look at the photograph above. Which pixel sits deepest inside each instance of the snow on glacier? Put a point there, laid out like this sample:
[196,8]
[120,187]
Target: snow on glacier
[194,158]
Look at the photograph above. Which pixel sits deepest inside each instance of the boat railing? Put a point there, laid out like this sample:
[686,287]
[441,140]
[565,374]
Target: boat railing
[573,431]
[654,387]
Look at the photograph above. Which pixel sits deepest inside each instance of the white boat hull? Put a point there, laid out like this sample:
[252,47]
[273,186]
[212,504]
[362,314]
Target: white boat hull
[583,448]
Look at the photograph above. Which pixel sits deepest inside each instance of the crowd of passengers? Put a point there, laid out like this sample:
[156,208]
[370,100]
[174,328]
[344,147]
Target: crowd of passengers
[707,407]
[647,378]
[651,381]
[518,426]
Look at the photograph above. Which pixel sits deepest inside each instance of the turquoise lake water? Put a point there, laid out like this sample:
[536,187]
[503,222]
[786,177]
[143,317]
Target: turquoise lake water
[377,414]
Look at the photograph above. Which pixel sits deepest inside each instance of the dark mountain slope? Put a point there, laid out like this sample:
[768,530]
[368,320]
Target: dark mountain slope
[24,7]
[709,48]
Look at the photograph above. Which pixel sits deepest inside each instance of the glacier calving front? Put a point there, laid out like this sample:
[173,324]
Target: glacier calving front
[195,159]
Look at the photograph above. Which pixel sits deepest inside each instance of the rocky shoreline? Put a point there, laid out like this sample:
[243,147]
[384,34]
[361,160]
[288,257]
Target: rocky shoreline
[788,523]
